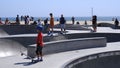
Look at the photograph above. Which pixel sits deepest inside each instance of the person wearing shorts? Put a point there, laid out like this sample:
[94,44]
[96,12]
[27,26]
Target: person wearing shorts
[51,22]
[62,23]
[94,23]
[39,42]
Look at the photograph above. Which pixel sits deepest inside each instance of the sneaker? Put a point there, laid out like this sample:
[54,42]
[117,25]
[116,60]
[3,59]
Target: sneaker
[38,58]
[49,34]
[41,60]
[61,32]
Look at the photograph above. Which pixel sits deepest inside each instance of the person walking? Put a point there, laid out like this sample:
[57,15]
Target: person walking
[51,24]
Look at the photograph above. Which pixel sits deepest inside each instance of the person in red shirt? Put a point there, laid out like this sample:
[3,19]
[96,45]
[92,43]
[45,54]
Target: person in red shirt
[39,42]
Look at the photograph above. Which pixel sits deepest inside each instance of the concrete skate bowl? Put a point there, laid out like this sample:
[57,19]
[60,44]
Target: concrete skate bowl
[110,59]
[26,41]
[10,47]
[3,33]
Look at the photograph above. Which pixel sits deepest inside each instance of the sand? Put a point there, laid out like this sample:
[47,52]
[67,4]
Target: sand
[70,22]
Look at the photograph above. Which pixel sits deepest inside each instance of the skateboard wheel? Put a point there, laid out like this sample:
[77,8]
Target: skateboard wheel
[21,54]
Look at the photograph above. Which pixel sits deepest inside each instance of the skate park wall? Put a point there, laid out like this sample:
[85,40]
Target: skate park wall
[18,29]
[26,41]
[68,45]
[8,30]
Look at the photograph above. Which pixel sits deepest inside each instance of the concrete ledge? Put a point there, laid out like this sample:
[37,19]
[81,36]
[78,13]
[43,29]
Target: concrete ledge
[68,45]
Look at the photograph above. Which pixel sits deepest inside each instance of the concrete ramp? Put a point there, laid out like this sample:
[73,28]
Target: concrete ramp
[3,33]
[10,47]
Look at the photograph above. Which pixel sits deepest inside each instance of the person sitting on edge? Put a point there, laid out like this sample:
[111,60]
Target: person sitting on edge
[39,42]
[7,22]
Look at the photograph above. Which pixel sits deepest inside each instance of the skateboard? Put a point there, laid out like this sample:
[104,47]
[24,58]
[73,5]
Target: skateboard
[50,34]
[32,58]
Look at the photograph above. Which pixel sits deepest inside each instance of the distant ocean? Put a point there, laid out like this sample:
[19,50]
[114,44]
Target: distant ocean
[68,18]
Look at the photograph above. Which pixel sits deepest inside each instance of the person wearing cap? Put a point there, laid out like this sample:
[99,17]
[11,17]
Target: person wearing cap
[39,42]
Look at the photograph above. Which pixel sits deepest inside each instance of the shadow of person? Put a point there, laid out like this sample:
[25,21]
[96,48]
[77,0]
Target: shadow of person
[27,63]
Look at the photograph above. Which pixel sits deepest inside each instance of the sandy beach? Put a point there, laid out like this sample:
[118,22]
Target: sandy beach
[67,22]
[70,22]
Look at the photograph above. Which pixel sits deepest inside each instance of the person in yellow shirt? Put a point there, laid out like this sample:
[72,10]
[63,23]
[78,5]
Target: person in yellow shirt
[51,23]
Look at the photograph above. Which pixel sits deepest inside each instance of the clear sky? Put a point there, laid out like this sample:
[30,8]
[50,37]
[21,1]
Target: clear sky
[42,8]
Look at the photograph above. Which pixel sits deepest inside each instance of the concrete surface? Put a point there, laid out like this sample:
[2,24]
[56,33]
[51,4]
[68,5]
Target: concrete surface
[68,45]
[10,47]
[31,29]
[58,60]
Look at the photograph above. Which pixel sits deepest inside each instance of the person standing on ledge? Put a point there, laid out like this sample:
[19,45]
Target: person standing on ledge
[73,20]
[39,42]
[116,23]
[17,20]
[94,23]
[62,24]
[51,24]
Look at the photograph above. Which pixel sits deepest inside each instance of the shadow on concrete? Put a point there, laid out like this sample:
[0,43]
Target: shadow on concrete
[27,63]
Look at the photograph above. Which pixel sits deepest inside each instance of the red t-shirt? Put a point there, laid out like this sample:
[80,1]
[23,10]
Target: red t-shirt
[40,39]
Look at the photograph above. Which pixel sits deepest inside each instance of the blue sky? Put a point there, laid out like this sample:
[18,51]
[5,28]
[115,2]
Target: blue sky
[42,8]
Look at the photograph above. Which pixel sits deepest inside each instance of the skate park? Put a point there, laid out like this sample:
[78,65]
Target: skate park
[18,38]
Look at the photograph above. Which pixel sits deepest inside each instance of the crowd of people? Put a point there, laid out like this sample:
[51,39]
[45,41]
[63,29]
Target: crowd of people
[49,26]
